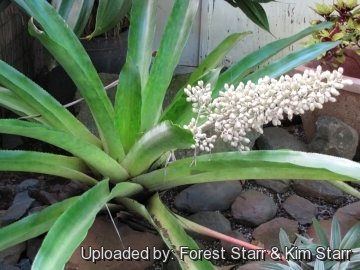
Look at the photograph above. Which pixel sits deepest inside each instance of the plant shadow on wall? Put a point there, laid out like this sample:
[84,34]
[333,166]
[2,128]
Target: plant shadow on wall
[130,158]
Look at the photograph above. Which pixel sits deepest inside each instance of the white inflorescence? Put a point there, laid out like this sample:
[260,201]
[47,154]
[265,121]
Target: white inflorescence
[237,111]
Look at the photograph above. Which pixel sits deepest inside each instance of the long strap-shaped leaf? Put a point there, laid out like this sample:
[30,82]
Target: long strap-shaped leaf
[161,138]
[13,103]
[41,101]
[179,107]
[89,153]
[254,11]
[292,60]
[33,225]
[72,226]
[76,13]
[109,13]
[175,35]
[68,51]
[251,165]
[174,235]
[238,71]
[141,35]
[128,105]
[26,161]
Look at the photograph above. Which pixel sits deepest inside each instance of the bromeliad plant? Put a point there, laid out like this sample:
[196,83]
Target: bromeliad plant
[137,137]
[344,253]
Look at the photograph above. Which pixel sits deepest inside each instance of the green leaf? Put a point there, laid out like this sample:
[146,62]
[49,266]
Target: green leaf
[161,138]
[11,102]
[250,165]
[335,237]
[276,266]
[109,14]
[42,102]
[291,61]
[319,265]
[91,154]
[25,161]
[254,12]
[284,240]
[249,63]
[125,189]
[33,225]
[75,13]
[216,55]
[351,239]
[68,51]
[175,35]
[128,118]
[320,233]
[174,235]
[71,228]
[179,107]
[141,35]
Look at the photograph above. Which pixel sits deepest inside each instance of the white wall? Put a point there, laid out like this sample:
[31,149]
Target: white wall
[216,19]
[286,18]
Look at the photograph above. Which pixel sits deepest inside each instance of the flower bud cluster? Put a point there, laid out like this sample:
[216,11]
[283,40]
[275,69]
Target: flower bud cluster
[239,110]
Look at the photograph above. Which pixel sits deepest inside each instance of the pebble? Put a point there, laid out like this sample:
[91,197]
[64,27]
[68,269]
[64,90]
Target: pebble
[300,209]
[215,196]
[253,208]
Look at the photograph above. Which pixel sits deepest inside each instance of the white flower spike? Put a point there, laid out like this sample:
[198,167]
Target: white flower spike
[237,111]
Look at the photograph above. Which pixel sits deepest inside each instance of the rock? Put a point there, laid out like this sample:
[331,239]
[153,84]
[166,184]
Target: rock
[84,114]
[10,141]
[47,198]
[334,137]
[28,184]
[24,264]
[178,83]
[33,246]
[348,216]
[318,190]
[280,186]
[11,255]
[300,209]
[10,267]
[2,214]
[268,233]
[325,224]
[103,234]
[228,246]
[208,196]
[211,220]
[36,209]
[278,138]
[22,202]
[253,208]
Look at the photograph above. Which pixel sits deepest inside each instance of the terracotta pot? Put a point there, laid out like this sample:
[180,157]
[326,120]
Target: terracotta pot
[347,105]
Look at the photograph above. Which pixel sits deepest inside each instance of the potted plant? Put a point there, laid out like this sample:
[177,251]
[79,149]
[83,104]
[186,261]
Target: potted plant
[345,16]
